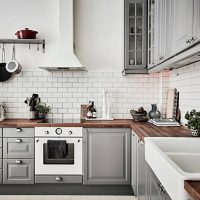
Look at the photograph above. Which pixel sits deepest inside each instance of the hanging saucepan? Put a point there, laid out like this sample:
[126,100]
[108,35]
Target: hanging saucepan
[4,74]
[13,65]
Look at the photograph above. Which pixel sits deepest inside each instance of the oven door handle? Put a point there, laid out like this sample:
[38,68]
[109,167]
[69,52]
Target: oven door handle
[58,178]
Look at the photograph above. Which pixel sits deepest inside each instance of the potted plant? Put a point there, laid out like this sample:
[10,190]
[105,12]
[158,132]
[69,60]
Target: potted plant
[193,123]
[42,110]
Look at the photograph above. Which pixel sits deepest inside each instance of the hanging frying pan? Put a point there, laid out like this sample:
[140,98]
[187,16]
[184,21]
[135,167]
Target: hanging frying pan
[4,74]
[13,65]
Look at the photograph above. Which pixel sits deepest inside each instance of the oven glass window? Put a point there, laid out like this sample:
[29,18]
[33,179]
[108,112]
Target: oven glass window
[58,152]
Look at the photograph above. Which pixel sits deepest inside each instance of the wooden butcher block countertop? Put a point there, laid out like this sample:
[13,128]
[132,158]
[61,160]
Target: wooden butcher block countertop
[142,129]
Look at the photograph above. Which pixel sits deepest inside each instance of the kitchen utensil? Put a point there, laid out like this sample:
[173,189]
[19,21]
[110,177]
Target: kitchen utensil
[13,65]
[171,103]
[2,112]
[4,74]
[26,34]
[139,116]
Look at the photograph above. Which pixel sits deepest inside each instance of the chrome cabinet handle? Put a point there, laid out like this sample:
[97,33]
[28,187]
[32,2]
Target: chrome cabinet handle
[18,130]
[18,161]
[58,178]
[188,41]
[18,140]
[192,39]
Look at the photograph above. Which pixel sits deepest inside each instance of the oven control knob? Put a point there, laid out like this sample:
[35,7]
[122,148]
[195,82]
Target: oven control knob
[70,132]
[47,132]
[58,131]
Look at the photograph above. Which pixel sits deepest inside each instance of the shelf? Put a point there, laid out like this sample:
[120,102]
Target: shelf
[24,41]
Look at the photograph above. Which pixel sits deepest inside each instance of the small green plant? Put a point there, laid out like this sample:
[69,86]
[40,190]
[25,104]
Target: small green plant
[193,118]
[43,108]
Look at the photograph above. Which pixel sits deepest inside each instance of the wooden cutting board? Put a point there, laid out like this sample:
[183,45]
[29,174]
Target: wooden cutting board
[171,103]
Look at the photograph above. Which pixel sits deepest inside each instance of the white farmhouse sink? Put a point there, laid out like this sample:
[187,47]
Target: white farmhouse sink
[174,160]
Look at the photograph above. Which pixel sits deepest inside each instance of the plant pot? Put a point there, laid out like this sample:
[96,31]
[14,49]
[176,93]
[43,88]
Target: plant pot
[41,116]
[195,132]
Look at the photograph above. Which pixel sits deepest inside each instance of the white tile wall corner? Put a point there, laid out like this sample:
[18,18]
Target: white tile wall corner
[65,91]
[187,81]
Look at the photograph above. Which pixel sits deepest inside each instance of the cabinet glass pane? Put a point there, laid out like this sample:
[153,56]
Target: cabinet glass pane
[139,42]
[139,58]
[132,42]
[139,25]
[132,58]
[131,9]
[132,25]
[139,8]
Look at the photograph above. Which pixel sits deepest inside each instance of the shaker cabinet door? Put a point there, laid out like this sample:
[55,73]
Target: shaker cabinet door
[18,171]
[18,148]
[183,24]
[196,25]
[106,156]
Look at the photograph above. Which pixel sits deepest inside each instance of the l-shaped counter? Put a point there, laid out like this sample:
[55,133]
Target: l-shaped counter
[142,129]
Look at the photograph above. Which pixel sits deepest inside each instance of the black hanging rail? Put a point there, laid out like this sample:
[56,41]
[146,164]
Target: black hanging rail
[25,41]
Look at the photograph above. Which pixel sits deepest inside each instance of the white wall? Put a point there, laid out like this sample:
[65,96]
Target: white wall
[36,15]
[99,34]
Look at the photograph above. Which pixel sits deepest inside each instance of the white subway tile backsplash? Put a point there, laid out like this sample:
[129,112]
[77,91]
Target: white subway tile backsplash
[65,91]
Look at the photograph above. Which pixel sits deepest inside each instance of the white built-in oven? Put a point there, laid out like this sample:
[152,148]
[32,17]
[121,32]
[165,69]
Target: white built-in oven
[58,150]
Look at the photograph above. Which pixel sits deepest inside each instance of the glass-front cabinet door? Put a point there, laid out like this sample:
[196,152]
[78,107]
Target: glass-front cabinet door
[135,36]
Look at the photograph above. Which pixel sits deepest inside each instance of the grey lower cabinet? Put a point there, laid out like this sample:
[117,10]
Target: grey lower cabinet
[18,155]
[106,156]
[155,189]
[146,185]
[141,171]
[134,162]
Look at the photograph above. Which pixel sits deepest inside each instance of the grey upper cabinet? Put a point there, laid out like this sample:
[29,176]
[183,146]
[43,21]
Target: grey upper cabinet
[135,36]
[160,26]
[106,156]
[183,24]
[196,23]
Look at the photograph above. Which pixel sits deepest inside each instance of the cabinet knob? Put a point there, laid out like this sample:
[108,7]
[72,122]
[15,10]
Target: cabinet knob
[188,41]
[192,39]
[58,178]
[18,161]
[18,130]
[18,140]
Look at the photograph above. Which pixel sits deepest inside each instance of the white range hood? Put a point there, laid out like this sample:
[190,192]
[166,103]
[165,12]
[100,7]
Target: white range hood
[65,59]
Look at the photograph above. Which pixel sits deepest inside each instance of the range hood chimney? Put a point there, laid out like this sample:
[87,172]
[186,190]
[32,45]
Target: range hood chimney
[65,59]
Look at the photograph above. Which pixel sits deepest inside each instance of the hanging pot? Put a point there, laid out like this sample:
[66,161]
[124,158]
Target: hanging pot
[26,34]
[4,74]
[13,65]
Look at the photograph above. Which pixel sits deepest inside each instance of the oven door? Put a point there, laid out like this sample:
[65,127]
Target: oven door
[58,156]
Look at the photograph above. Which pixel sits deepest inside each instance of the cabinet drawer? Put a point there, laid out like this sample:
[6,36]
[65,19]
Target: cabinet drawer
[18,148]
[18,132]
[1,132]
[58,179]
[18,171]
